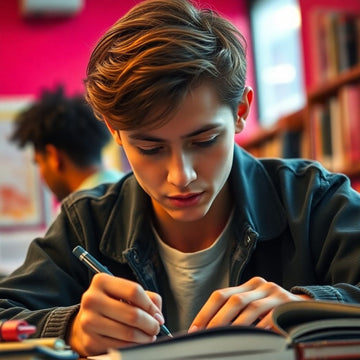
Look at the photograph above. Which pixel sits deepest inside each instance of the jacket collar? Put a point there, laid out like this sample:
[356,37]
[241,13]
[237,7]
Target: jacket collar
[257,202]
[129,223]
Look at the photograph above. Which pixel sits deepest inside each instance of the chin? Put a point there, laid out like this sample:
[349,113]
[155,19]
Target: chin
[189,214]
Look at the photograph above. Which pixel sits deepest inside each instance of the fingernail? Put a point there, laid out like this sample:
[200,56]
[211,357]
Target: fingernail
[159,317]
[193,328]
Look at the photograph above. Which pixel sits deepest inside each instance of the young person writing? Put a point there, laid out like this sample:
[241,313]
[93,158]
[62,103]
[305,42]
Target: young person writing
[200,234]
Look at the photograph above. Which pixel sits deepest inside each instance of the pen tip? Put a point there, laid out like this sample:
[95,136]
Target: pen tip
[165,331]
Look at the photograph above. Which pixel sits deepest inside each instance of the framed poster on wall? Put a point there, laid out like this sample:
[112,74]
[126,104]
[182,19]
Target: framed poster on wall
[23,202]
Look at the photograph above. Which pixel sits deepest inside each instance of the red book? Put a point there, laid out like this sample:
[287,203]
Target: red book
[328,350]
[349,96]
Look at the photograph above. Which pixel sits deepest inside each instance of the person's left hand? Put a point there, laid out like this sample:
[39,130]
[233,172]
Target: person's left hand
[245,304]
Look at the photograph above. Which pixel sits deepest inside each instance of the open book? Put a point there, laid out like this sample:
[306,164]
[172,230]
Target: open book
[318,326]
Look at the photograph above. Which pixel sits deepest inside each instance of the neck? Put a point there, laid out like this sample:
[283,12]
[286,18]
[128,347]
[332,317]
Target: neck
[78,176]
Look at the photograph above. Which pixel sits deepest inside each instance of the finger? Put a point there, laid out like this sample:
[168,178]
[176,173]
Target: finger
[155,298]
[122,289]
[110,328]
[240,305]
[253,311]
[272,296]
[235,306]
[97,332]
[128,291]
[266,322]
[157,301]
[216,302]
[98,300]
[132,316]
[212,306]
[119,331]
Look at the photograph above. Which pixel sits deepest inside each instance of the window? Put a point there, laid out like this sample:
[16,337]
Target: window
[275,29]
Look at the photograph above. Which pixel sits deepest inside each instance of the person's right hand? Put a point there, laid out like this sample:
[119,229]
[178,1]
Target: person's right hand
[114,313]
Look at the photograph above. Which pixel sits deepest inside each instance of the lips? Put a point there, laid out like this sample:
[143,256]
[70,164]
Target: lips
[185,200]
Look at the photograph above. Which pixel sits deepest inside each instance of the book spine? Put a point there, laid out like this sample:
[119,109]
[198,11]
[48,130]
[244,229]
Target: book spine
[336,42]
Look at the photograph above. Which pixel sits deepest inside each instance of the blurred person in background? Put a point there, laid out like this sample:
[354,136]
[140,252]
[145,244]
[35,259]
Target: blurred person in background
[67,141]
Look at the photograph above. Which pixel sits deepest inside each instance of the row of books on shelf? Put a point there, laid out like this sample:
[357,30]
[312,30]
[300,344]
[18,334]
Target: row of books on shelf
[288,144]
[291,144]
[335,129]
[336,42]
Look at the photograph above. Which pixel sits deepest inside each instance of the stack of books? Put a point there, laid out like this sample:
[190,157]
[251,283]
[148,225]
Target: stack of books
[304,330]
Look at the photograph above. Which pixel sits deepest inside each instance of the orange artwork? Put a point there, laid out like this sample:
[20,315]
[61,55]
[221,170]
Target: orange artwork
[22,200]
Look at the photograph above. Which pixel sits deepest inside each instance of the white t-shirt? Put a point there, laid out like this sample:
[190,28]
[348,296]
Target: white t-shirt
[193,277]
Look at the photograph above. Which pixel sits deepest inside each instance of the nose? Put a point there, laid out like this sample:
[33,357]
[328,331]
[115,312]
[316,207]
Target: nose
[181,170]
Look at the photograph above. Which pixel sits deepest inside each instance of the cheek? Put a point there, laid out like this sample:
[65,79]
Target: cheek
[217,164]
[146,171]
[47,177]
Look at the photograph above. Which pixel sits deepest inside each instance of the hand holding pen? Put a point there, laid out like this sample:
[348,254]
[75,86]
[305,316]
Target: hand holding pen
[104,322]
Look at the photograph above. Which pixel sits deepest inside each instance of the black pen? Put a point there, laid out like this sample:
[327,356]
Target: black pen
[97,267]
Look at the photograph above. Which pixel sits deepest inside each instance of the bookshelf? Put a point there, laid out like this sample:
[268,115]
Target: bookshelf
[338,100]
[274,141]
[328,126]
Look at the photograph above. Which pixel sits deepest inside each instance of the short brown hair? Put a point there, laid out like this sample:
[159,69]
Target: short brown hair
[148,60]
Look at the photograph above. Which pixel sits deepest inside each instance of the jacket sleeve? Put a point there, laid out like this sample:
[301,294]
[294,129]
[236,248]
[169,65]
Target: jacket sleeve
[47,288]
[331,218]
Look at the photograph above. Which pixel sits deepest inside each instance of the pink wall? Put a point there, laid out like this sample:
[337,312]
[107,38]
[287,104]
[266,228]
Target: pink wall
[40,53]
[35,54]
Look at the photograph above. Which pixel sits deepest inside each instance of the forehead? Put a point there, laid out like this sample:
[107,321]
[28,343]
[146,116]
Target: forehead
[200,109]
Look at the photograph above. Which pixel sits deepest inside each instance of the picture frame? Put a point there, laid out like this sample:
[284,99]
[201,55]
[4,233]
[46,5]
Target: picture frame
[23,201]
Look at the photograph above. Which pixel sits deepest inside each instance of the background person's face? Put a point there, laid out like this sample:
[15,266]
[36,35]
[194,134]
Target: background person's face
[51,175]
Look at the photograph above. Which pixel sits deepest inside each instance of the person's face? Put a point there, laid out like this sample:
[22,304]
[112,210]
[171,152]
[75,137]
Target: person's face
[184,165]
[49,172]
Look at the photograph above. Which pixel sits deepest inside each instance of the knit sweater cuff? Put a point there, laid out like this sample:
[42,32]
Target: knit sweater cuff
[58,321]
[317,292]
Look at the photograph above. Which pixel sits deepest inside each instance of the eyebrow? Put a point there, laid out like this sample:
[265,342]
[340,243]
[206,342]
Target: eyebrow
[203,129]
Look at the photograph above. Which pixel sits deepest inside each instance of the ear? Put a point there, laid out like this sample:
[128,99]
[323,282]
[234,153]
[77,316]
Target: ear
[115,133]
[54,157]
[244,109]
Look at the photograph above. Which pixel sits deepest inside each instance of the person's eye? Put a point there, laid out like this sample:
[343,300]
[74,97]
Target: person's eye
[206,142]
[150,150]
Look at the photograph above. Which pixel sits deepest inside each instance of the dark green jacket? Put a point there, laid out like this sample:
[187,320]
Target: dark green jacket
[295,224]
